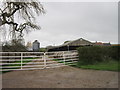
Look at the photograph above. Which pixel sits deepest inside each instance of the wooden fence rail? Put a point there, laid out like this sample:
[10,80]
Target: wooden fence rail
[36,60]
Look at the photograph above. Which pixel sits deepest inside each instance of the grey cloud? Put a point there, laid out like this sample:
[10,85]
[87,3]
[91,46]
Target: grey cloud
[95,21]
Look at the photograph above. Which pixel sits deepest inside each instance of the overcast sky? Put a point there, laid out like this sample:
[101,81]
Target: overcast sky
[93,21]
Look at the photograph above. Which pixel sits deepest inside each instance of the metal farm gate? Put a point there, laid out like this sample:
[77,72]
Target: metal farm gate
[36,60]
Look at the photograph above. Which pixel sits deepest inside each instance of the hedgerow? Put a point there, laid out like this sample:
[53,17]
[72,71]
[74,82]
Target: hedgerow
[95,54]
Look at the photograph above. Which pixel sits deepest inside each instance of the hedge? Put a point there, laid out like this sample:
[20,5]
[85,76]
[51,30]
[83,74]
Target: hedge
[95,54]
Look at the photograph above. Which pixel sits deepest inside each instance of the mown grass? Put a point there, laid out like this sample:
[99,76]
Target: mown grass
[66,62]
[109,66]
[58,60]
[27,60]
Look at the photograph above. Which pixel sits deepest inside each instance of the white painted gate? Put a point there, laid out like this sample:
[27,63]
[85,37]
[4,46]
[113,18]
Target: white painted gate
[36,60]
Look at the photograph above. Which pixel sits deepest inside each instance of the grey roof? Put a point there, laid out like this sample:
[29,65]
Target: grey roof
[77,42]
[36,42]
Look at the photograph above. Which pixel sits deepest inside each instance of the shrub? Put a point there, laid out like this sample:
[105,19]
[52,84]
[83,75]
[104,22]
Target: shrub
[95,54]
[14,48]
[114,53]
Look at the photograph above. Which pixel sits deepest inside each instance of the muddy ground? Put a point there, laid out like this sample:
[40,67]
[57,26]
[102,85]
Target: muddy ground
[60,77]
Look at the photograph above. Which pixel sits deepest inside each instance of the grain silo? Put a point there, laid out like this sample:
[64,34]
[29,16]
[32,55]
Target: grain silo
[36,45]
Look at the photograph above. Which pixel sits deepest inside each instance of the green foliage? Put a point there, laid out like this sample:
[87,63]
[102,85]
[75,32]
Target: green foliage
[89,55]
[14,48]
[93,54]
[42,49]
[59,60]
[114,53]
[28,59]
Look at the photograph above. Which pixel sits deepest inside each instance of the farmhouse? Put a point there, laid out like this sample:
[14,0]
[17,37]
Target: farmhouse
[29,46]
[70,45]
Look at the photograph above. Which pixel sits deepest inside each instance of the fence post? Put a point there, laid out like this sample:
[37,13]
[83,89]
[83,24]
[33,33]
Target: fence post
[21,59]
[64,57]
[44,59]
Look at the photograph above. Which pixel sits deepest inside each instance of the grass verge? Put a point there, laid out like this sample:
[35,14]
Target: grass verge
[109,66]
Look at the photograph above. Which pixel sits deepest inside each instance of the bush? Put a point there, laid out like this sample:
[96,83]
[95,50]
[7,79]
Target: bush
[114,53]
[95,54]
[89,55]
[42,49]
[14,48]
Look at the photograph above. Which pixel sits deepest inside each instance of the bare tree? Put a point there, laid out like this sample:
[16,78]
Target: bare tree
[25,10]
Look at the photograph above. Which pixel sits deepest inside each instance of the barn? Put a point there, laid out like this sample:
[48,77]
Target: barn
[70,45]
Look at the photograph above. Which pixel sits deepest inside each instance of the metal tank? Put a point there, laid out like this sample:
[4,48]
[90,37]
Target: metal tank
[36,46]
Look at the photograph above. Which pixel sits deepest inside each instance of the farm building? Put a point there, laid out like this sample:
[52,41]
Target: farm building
[70,45]
[101,44]
[29,46]
[36,45]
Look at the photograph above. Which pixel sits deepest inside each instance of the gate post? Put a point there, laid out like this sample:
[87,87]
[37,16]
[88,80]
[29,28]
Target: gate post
[21,59]
[44,59]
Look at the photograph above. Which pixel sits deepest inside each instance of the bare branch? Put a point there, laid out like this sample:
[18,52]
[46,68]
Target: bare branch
[27,11]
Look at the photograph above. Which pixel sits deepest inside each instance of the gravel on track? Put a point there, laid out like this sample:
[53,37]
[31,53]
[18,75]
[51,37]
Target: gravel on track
[60,77]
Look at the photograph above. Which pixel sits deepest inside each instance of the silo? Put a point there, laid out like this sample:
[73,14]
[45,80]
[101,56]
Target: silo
[36,46]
